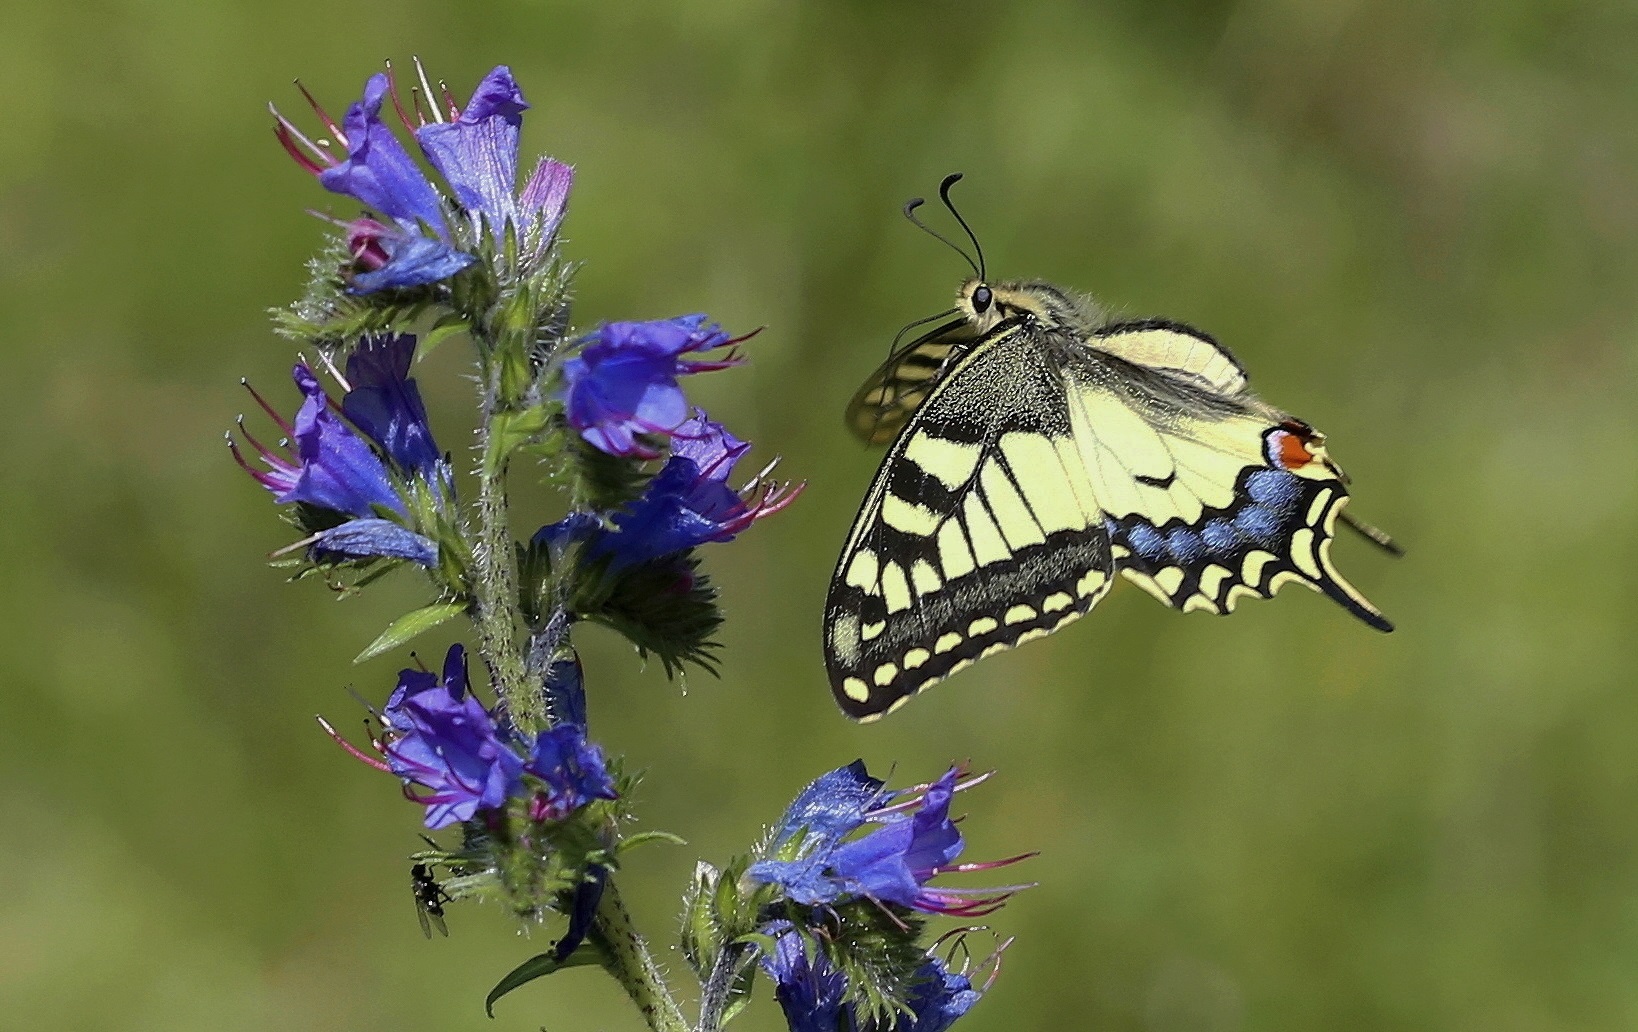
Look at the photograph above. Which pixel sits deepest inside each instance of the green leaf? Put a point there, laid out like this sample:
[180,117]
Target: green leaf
[644,837]
[409,626]
[538,966]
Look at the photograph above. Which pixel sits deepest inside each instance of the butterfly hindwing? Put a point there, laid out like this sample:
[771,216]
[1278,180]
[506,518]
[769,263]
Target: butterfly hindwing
[1210,494]
[982,530]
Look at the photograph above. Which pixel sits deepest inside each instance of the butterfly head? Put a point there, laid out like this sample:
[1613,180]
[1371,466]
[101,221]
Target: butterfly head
[985,304]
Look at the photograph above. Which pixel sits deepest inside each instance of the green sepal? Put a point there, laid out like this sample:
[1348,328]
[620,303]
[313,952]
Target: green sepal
[877,948]
[539,966]
[600,482]
[331,317]
[446,326]
[739,997]
[409,626]
[701,933]
[666,608]
[511,430]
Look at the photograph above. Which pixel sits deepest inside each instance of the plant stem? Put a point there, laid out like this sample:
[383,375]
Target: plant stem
[718,990]
[631,963]
[495,584]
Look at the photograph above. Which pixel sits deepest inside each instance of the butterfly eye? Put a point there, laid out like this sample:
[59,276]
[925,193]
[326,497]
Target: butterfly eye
[982,299]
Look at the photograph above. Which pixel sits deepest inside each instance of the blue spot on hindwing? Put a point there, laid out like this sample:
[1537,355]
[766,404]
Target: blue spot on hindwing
[1258,523]
[1185,544]
[1146,541]
[1272,487]
[1220,536]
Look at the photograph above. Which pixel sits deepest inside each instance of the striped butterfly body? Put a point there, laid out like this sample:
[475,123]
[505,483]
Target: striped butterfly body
[1038,451]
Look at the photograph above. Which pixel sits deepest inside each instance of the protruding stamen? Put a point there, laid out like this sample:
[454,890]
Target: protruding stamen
[292,140]
[352,750]
[397,104]
[292,546]
[449,98]
[330,367]
[323,116]
[265,407]
[426,88]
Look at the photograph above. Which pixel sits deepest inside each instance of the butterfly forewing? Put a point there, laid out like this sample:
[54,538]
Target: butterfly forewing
[982,530]
[894,391]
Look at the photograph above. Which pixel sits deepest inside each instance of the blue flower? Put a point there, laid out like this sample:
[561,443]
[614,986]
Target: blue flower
[475,152]
[384,402]
[892,864]
[572,772]
[831,808]
[325,464]
[624,380]
[938,998]
[814,995]
[442,739]
[811,992]
[688,503]
[582,911]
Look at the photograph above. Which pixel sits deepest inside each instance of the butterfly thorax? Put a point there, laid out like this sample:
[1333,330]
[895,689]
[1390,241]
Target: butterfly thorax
[986,305]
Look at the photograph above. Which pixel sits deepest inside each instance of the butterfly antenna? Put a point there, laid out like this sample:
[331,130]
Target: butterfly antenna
[1374,535]
[944,195]
[910,213]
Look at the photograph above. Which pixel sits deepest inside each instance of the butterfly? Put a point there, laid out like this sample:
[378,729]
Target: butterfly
[1039,450]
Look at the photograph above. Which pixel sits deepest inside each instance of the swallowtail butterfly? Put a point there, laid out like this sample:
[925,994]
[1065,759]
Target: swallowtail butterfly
[1040,450]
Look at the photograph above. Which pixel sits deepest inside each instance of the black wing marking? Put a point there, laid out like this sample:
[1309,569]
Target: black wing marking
[981,531]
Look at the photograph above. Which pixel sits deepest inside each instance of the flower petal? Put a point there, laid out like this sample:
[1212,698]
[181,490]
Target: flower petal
[477,153]
[378,170]
[372,536]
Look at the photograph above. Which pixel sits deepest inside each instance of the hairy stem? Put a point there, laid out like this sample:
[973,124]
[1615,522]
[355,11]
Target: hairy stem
[631,963]
[719,986]
[495,582]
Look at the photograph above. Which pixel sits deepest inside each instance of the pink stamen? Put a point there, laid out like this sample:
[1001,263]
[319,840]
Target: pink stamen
[271,412]
[292,140]
[263,452]
[397,104]
[262,477]
[449,98]
[352,750]
[323,116]
[990,865]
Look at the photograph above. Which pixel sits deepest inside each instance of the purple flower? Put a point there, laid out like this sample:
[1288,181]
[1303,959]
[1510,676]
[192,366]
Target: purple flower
[476,153]
[325,464]
[582,910]
[812,994]
[438,736]
[938,998]
[688,503]
[384,402]
[572,772]
[892,864]
[624,380]
[443,740]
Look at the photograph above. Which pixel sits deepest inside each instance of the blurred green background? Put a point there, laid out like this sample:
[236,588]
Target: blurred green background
[1414,222]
